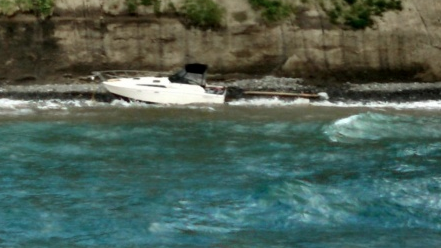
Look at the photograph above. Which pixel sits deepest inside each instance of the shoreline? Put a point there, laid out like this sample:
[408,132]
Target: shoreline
[395,91]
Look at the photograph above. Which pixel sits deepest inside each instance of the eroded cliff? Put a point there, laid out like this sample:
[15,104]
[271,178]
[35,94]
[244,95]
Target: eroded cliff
[86,35]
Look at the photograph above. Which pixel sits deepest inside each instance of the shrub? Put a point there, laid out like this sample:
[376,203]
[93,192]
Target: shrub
[358,14]
[25,5]
[132,5]
[41,8]
[7,7]
[203,13]
[272,10]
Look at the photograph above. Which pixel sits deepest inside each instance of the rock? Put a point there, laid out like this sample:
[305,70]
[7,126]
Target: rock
[86,35]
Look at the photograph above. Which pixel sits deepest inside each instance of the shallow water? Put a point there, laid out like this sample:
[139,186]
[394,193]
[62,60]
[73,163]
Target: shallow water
[249,174]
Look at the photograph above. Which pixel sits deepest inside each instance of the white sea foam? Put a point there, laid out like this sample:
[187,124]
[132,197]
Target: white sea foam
[23,107]
[28,107]
[276,102]
[14,107]
[430,105]
[375,126]
[269,102]
[122,103]
[11,104]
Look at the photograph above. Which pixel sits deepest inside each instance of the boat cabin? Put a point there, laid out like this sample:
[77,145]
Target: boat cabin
[191,74]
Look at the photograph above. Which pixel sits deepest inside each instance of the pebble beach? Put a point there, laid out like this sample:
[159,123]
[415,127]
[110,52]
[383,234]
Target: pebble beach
[394,91]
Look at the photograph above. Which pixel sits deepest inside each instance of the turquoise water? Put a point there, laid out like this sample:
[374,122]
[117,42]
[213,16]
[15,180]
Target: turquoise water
[80,174]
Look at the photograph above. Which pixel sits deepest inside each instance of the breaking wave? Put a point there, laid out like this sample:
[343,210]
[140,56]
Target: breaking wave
[269,102]
[376,126]
[25,107]
[430,105]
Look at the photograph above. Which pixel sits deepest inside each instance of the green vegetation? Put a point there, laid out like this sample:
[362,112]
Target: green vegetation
[358,14]
[7,7]
[41,8]
[272,10]
[198,13]
[132,5]
[203,13]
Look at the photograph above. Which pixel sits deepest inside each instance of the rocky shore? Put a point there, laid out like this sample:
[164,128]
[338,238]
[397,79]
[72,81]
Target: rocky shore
[396,92]
[56,91]
[391,91]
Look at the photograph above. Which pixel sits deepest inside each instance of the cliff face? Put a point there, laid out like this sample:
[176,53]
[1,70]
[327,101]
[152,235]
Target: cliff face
[87,35]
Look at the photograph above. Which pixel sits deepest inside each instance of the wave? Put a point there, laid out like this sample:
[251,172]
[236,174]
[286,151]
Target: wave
[429,105]
[376,126]
[17,107]
[24,107]
[269,102]
[381,202]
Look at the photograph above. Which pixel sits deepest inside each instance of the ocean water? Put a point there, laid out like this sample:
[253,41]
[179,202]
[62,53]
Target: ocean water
[261,173]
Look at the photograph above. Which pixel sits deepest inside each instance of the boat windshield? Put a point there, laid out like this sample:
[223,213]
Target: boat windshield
[192,74]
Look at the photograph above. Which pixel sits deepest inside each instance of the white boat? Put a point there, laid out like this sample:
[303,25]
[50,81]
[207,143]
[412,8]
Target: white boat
[187,86]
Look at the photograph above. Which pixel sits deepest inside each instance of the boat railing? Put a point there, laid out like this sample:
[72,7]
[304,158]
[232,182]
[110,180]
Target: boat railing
[115,74]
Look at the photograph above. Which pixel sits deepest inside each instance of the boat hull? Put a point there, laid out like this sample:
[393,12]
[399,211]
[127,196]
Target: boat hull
[172,94]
